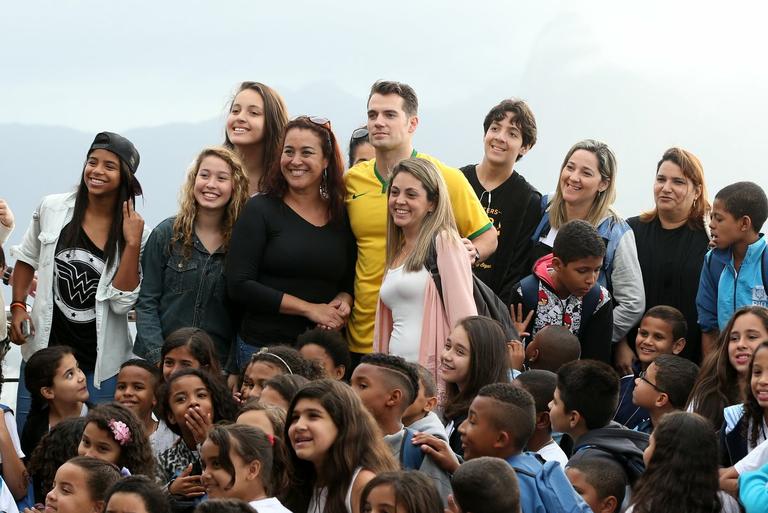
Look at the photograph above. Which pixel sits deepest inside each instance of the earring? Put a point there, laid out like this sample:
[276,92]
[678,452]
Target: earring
[324,185]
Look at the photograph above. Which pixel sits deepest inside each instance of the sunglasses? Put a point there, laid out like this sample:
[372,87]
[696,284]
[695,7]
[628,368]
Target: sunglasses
[360,133]
[318,120]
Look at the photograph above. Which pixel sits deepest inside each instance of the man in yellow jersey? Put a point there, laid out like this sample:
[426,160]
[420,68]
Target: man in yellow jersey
[392,121]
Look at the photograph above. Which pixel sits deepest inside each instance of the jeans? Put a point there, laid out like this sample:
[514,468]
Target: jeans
[96,396]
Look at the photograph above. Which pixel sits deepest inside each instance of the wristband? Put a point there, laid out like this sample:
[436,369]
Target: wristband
[19,304]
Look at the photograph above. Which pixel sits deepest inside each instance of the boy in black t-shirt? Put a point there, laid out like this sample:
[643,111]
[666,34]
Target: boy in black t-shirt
[511,202]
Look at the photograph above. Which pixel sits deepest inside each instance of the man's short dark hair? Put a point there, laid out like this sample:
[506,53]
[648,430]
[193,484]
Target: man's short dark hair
[516,413]
[676,376]
[591,388]
[426,380]
[401,372]
[541,385]
[404,91]
[522,116]
[577,239]
[745,199]
[671,316]
[486,484]
[604,474]
[557,346]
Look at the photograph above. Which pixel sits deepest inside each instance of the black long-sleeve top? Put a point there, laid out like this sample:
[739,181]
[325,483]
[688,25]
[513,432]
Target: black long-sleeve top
[274,251]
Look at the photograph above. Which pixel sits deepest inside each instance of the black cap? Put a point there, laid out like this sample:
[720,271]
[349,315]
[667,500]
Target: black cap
[121,147]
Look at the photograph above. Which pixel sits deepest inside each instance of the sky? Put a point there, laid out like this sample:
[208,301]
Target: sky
[641,77]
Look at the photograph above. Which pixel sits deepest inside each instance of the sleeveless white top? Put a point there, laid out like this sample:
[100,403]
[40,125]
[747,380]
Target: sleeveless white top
[320,496]
[403,293]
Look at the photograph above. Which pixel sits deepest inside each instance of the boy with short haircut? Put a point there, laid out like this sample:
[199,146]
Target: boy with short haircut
[419,416]
[583,405]
[662,331]
[509,133]
[563,291]
[500,423]
[551,348]
[487,485]
[600,482]
[664,387]
[387,385]
[738,213]
[541,385]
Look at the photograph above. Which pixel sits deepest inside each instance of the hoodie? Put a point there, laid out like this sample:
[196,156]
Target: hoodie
[430,424]
[551,310]
[439,477]
[616,442]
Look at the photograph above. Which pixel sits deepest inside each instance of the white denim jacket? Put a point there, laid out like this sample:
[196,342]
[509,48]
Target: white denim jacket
[38,249]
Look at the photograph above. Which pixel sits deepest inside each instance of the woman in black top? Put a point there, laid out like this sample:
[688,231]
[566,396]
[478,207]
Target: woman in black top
[292,254]
[672,240]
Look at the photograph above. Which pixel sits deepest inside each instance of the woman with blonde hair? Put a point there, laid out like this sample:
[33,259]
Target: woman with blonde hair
[586,190]
[413,318]
[183,262]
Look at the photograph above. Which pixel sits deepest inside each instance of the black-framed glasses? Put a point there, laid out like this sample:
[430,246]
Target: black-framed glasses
[360,133]
[643,377]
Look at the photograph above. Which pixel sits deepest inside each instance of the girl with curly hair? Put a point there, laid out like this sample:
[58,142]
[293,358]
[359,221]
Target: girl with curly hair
[183,262]
[685,446]
[113,433]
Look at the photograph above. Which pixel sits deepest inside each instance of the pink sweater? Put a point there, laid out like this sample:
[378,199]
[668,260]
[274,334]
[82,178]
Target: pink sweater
[438,318]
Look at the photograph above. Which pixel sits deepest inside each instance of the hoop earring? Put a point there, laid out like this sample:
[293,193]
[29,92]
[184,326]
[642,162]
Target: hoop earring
[324,185]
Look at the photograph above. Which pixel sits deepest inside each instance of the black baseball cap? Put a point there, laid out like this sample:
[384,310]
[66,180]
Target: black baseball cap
[121,147]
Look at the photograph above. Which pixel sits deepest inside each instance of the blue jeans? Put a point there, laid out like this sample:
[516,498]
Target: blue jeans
[96,396]
[244,353]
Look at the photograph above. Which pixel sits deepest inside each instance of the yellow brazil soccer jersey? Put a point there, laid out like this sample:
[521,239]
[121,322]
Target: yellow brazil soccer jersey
[366,203]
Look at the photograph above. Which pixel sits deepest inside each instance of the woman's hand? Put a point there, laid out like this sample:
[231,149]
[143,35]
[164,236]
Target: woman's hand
[516,354]
[438,450]
[325,316]
[521,323]
[133,225]
[18,316]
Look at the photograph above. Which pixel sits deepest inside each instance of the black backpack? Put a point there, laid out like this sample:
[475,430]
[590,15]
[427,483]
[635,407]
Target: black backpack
[487,302]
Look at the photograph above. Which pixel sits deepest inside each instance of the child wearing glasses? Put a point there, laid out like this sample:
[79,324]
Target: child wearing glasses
[662,330]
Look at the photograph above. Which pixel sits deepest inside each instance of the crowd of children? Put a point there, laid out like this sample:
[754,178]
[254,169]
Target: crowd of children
[373,341]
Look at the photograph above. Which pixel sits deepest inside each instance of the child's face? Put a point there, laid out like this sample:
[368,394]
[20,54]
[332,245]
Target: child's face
[217,480]
[654,337]
[369,383]
[97,443]
[69,384]
[213,184]
[271,397]
[259,419]
[136,390]
[312,431]
[455,360]
[560,419]
[747,333]
[503,142]
[479,436]
[646,392]
[420,407]
[70,493]
[759,381]
[318,354]
[579,482]
[185,393]
[382,499]
[126,502]
[177,359]
[254,377]
[578,276]
[725,229]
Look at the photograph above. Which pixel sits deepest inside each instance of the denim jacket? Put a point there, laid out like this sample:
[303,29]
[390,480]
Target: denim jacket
[38,249]
[179,292]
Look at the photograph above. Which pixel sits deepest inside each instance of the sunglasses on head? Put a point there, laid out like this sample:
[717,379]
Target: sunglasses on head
[318,120]
[360,133]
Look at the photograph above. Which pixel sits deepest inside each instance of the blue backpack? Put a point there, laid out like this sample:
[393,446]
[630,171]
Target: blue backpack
[715,267]
[411,456]
[555,492]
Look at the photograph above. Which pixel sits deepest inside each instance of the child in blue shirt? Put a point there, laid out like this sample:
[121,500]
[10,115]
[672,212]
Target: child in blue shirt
[733,274]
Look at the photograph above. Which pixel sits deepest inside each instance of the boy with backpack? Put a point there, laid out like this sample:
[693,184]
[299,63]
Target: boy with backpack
[564,291]
[735,271]
[387,385]
[583,405]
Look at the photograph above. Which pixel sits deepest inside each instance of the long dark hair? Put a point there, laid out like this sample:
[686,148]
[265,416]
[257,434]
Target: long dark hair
[39,373]
[488,363]
[275,184]
[154,499]
[199,343]
[54,449]
[359,443]
[127,191]
[685,447]
[752,409]
[411,489]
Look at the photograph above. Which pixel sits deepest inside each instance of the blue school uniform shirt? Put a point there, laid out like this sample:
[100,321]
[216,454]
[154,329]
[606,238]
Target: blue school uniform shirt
[719,297]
